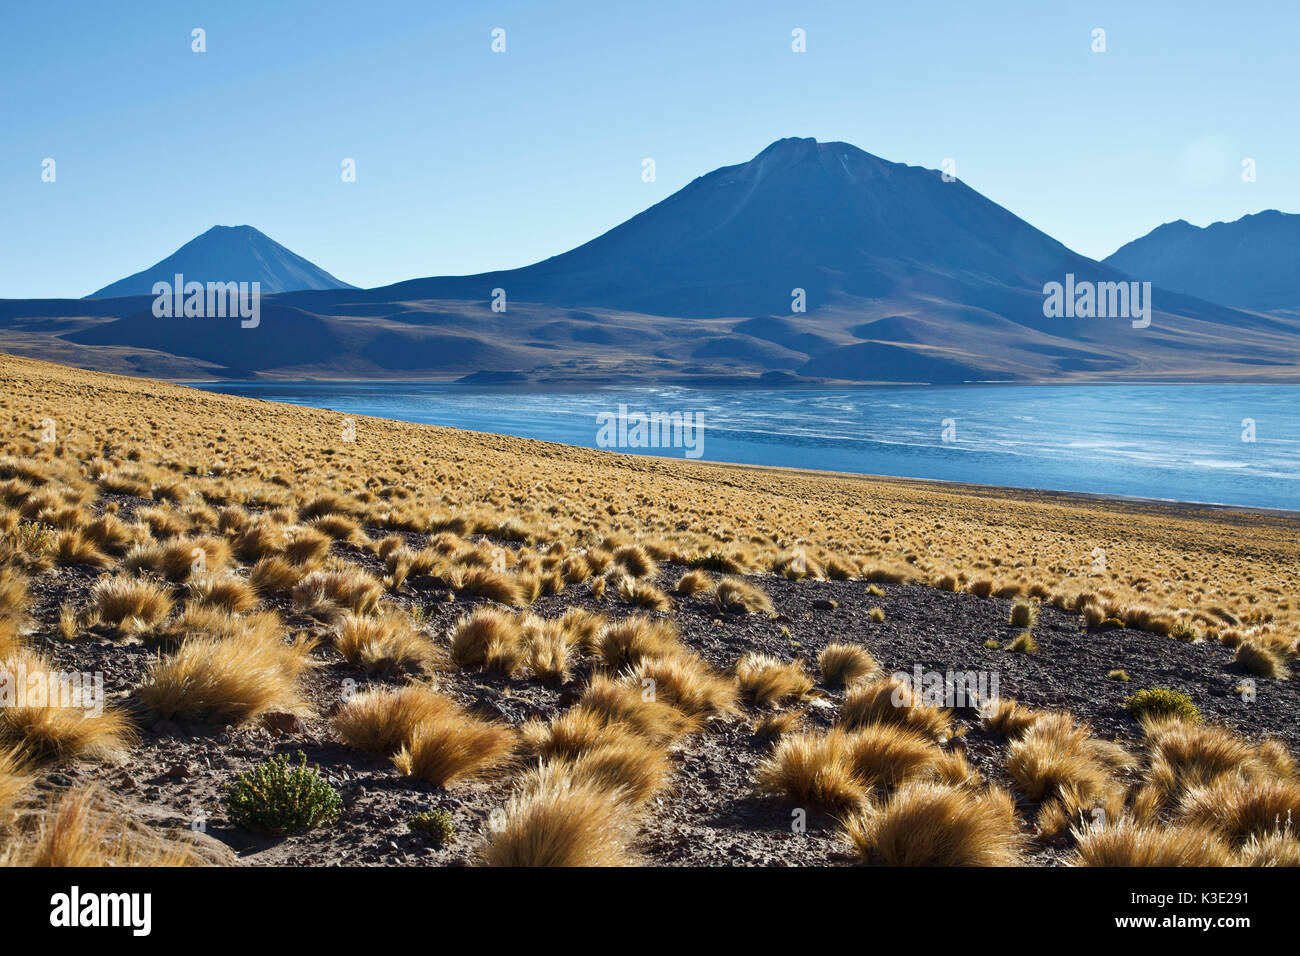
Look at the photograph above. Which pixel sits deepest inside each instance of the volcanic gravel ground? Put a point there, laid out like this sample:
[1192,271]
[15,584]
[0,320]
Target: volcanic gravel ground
[709,815]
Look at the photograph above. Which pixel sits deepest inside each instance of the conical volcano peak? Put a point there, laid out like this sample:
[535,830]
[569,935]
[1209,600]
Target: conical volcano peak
[230,254]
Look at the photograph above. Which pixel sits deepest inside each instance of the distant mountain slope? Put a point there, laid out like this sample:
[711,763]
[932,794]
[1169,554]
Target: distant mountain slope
[229,254]
[828,218]
[1252,263]
[906,278]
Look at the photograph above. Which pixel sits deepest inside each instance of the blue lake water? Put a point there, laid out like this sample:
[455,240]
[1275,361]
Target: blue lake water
[1178,442]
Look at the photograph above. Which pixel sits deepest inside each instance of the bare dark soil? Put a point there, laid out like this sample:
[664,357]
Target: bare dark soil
[709,816]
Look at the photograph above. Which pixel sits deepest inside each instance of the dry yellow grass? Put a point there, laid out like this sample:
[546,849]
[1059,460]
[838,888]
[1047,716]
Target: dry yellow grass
[76,830]
[381,720]
[233,678]
[13,609]
[620,702]
[627,642]
[845,664]
[130,603]
[812,771]
[1058,763]
[738,596]
[686,682]
[693,582]
[928,824]
[949,530]
[642,594]
[58,716]
[886,755]
[1129,843]
[893,701]
[558,819]
[15,778]
[224,591]
[1239,807]
[327,593]
[383,644]
[452,745]
[489,638]
[765,680]
[275,492]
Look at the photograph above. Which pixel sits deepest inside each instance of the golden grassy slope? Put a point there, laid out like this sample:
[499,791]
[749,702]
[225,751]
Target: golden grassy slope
[1223,572]
[171,496]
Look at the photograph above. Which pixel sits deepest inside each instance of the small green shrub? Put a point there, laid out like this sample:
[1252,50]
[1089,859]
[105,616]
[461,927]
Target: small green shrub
[1163,702]
[711,562]
[1120,675]
[435,824]
[1184,631]
[276,799]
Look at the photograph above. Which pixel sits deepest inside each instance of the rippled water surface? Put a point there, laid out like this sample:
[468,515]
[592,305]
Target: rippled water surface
[1182,442]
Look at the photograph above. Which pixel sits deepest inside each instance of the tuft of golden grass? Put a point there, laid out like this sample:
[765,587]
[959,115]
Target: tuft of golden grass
[846,664]
[623,644]
[15,778]
[628,767]
[930,824]
[771,726]
[686,682]
[274,577]
[232,679]
[110,534]
[1277,848]
[64,720]
[1182,756]
[488,638]
[1060,764]
[813,771]
[179,560]
[381,720]
[887,755]
[635,561]
[327,593]
[891,700]
[558,819]
[1240,806]
[75,830]
[546,643]
[737,596]
[130,603]
[14,601]
[1261,660]
[581,627]
[494,585]
[568,734]
[74,547]
[304,547]
[1129,843]
[222,590]
[693,582]
[383,644]
[642,594]
[1024,614]
[617,701]
[453,745]
[1010,719]
[765,680]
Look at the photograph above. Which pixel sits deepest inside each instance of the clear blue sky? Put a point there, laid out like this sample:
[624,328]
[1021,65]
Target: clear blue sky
[469,161]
